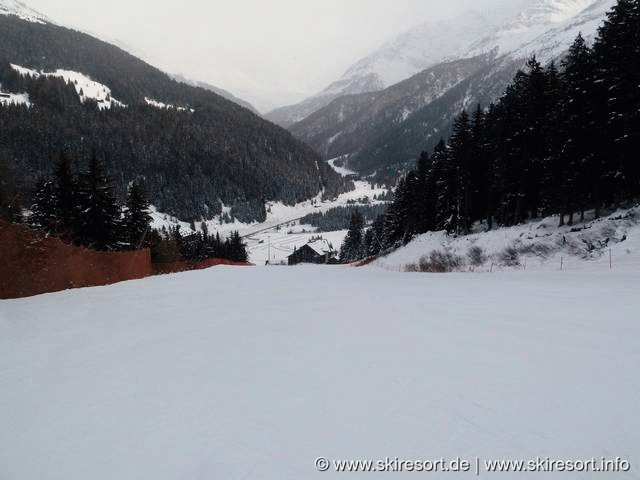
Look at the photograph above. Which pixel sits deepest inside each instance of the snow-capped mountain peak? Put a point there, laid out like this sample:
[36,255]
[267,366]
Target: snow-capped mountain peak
[19,9]
[412,52]
[543,27]
[547,28]
[553,11]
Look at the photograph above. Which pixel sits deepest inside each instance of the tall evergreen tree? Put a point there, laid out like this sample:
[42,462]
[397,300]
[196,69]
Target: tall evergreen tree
[459,173]
[9,197]
[137,220]
[97,223]
[576,159]
[617,56]
[373,237]
[44,214]
[66,198]
[479,170]
[236,248]
[439,187]
[351,248]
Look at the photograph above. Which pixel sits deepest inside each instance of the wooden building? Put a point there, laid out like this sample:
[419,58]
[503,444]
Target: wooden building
[317,251]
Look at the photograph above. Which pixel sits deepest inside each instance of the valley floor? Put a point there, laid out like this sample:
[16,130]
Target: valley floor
[255,372]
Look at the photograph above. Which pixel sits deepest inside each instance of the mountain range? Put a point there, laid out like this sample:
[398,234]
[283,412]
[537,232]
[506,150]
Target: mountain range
[199,152]
[67,93]
[383,126]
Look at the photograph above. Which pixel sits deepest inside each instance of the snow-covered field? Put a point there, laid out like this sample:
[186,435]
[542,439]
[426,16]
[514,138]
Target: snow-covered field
[247,373]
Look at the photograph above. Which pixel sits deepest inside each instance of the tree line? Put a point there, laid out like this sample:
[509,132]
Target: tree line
[559,141]
[81,207]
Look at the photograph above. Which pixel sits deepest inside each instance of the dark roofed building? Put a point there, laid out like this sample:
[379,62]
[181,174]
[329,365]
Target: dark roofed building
[317,251]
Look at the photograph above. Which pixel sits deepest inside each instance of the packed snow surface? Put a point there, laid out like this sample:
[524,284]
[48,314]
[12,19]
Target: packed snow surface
[254,372]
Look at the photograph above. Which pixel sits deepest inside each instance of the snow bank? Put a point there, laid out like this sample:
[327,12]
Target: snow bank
[255,373]
[535,245]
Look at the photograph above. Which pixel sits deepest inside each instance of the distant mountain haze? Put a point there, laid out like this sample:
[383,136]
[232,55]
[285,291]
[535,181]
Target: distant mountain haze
[384,130]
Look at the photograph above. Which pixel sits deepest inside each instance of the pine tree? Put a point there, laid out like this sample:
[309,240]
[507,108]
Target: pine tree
[44,207]
[421,203]
[396,217]
[478,176]
[575,164]
[617,56]
[459,173]
[97,223]
[439,189]
[55,204]
[9,196]
[351,248]
[373,237]
[236,248]
[136,216]
[66,201]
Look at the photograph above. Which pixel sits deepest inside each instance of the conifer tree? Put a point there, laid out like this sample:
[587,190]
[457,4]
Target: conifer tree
[236,248]
[55,204]
[439,189]
[373,237]
[9,196]
[351,248]
[575,160]
[617,56]
[66,201]
[44,214]
[136,216]
[97,223]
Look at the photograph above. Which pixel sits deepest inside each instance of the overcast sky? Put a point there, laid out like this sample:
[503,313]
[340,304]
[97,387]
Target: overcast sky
[269,52]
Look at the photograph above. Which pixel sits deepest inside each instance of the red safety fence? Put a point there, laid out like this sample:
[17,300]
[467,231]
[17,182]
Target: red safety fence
[32,263]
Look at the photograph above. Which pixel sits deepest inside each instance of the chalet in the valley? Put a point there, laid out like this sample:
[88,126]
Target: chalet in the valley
[316,251]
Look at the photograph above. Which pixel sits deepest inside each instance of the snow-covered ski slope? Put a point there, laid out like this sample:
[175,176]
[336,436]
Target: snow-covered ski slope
[248,373]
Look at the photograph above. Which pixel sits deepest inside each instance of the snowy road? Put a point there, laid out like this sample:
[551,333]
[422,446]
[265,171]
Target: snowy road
[243,373]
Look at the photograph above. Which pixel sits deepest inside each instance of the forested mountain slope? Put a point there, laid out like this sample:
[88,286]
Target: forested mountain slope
[193,149]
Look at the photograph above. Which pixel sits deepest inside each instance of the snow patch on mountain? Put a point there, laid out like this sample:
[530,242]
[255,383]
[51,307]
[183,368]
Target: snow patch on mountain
[15,99]
[412,52]
[86,88]
[555,41]
[341,170]
[19,9]
[162,105]
[546,29]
